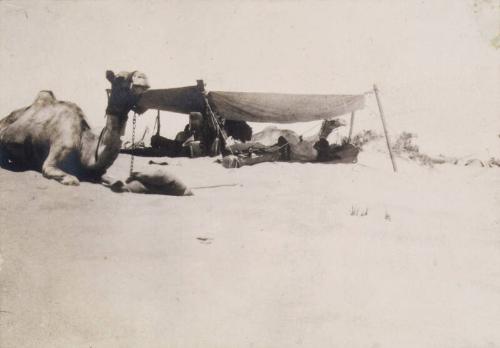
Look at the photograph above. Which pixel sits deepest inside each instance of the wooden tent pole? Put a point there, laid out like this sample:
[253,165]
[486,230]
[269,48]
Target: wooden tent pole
[221,133]
[381,110]
[351,126]
[158,122]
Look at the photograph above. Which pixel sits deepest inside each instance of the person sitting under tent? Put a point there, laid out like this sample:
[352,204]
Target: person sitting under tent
[195,140]
[273,144]
[198,137]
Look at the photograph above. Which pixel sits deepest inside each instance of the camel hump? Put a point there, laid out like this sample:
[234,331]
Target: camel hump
[44,98]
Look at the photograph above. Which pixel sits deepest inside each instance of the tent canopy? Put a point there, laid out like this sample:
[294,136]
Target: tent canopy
[182,100]
[253,107]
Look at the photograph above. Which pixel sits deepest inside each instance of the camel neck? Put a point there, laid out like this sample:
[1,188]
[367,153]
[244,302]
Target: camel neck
[101,150]
[115,124]
[110,142]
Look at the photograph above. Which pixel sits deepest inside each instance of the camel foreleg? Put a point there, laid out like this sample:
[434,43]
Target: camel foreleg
[50,167]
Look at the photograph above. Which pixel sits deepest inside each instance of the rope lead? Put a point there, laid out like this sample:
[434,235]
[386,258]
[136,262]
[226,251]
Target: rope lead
[134,120]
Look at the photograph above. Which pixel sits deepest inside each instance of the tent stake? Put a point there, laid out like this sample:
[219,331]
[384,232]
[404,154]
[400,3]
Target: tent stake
[351,126]
[375,89]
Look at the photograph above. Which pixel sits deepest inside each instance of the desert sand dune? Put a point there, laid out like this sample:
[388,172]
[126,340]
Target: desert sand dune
[369,259]
[276,254]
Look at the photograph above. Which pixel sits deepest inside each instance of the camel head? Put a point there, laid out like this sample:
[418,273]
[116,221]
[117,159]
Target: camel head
[126,89]
[329,125]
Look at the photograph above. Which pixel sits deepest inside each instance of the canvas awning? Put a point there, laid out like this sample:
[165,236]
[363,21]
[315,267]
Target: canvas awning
[282,108]
[181,100]
[253,107]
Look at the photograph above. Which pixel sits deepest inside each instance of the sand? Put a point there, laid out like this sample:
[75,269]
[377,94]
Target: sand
[312,255]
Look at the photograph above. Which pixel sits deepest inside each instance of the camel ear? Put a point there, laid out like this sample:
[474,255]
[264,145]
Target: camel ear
[110,75]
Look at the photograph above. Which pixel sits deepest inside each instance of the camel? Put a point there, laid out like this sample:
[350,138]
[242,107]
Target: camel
[274,144]
[53,136]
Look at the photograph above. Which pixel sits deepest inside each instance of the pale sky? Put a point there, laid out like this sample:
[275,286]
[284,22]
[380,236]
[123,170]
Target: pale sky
[433,60]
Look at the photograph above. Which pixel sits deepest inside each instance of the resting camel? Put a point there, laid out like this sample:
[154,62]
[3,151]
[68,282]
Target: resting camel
[273,144]
[53,136]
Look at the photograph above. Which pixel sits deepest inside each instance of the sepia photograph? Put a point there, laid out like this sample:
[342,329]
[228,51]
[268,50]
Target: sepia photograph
[256,173]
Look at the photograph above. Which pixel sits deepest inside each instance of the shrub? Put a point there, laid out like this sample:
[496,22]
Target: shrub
[363,138]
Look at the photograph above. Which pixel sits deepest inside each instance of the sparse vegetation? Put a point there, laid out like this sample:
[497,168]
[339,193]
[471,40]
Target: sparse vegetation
[405,145]
[357,211]
[387,217]
[493,162]
[363,138]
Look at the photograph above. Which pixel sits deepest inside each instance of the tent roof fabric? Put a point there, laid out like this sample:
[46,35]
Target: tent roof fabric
[253,107]
[282,108]
[181,100]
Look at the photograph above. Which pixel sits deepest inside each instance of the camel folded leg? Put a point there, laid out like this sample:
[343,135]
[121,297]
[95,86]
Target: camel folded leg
[51,170]
[16,157]
[4,156]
